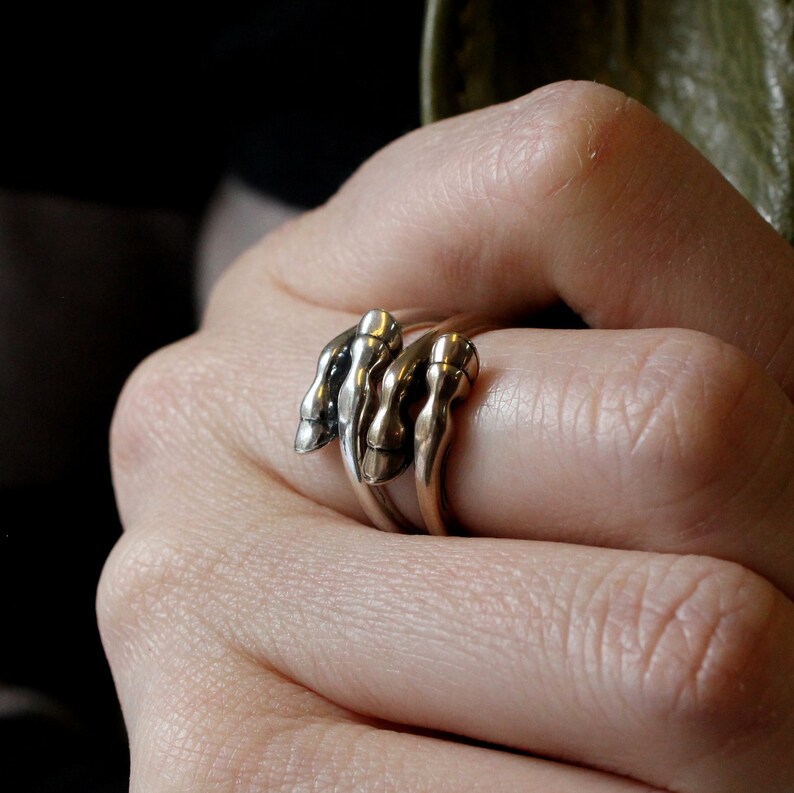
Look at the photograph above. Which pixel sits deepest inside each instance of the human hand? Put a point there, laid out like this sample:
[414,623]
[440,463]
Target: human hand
[625,604]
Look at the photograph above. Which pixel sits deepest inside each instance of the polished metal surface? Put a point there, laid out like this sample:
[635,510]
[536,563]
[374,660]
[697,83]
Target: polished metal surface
[378,339]
[364,390]
[319,417]
[390,447]
[451,372]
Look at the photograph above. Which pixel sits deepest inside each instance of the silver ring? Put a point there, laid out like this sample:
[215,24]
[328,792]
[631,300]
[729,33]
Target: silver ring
[363,391]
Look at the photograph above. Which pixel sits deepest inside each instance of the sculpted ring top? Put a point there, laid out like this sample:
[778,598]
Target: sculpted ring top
[363,392]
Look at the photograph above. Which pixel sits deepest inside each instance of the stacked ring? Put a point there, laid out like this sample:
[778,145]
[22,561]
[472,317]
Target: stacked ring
[363,392]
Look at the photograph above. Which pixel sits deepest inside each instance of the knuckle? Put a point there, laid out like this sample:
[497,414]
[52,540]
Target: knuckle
[679,411]
[164,413]
[695,640]
[549,140]
[153,397]
[153,595]
[518,158]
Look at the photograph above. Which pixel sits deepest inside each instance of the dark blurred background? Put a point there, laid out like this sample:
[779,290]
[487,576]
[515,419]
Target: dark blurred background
[118,123]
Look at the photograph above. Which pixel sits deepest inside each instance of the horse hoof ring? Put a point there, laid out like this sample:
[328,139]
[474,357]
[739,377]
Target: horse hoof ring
[363,392]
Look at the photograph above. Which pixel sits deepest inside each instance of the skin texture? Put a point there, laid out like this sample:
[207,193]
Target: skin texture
[621,620]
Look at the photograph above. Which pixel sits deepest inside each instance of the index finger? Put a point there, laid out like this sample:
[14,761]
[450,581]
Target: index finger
[574,192]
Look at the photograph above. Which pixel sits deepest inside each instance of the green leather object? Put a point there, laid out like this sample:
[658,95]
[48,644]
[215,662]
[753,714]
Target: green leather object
[721,72]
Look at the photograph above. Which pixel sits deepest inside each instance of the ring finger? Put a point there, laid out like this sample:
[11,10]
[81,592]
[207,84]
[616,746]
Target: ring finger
[662,440]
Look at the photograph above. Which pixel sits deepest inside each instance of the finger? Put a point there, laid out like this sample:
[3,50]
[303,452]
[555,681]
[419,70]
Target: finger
[271,734]
[574,192]
[642,665]
[658,440]
[668,441]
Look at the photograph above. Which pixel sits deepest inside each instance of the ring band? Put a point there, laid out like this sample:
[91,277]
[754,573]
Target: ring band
[363,392]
